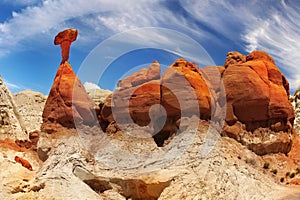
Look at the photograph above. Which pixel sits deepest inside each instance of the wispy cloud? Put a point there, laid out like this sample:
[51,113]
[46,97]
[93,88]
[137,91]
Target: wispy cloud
[280,36]
[11,86]
[51,16]
[273,26]
[95,20]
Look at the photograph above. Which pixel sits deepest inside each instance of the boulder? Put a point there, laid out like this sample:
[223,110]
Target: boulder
[233,58]
[23,162]
[185,90]
[257,93]
[132,104]
[257,96]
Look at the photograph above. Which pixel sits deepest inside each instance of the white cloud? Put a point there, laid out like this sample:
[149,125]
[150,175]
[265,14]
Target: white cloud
[11,86]
[279,35]
[274,28]
[141,38]
[89,86]
[95,20]
[224,17]
[53,15]
[255,24]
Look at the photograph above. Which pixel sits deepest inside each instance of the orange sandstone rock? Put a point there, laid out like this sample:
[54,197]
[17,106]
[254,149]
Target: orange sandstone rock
[140,77]
[64,39]
[181,88]
[185,79]
[67,103]
[257,93]
[23,162]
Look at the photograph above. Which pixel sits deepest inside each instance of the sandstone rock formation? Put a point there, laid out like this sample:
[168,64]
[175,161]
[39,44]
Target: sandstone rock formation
[79,165]
[30,106]
[142,76]
[233,58]
[295,100]
[184,159]
[136,95]
[262,85]
[258,111]
[97,94]
[180,76]
[257,95]
[15,178]
[68,103]
[64,39]
[30,144]
[230,171]
[11,123]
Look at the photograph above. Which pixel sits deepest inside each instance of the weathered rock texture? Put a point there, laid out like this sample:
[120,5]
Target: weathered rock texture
[68,104]
[16,175]
[11,123]
[229,171]
[295,100]
[195,164]
[258,84]
[30,106]
[64,39]
[142,76]
[137,94]
[257,96]
[251,89]
[97,94]
[23,162]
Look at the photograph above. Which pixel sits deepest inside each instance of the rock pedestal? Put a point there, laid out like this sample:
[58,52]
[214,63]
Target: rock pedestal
[68,104]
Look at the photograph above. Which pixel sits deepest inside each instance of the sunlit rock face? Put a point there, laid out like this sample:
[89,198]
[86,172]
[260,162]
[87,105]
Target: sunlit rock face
[11,123]
[64,39]
[259,113]
[67,103]
[256,100]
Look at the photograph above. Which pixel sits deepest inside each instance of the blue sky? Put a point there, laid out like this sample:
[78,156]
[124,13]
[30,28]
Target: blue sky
[29,59]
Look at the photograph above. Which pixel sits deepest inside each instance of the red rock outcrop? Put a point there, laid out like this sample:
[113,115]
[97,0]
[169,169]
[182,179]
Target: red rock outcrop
[23,162]
[234,58]
[140,77]
[67,103]
[132,101]
[180,77]
[64,39]
[257,95]
[31,143]
[137,93]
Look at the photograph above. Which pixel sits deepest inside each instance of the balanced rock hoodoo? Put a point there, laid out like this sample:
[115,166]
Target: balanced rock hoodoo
[68,103]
